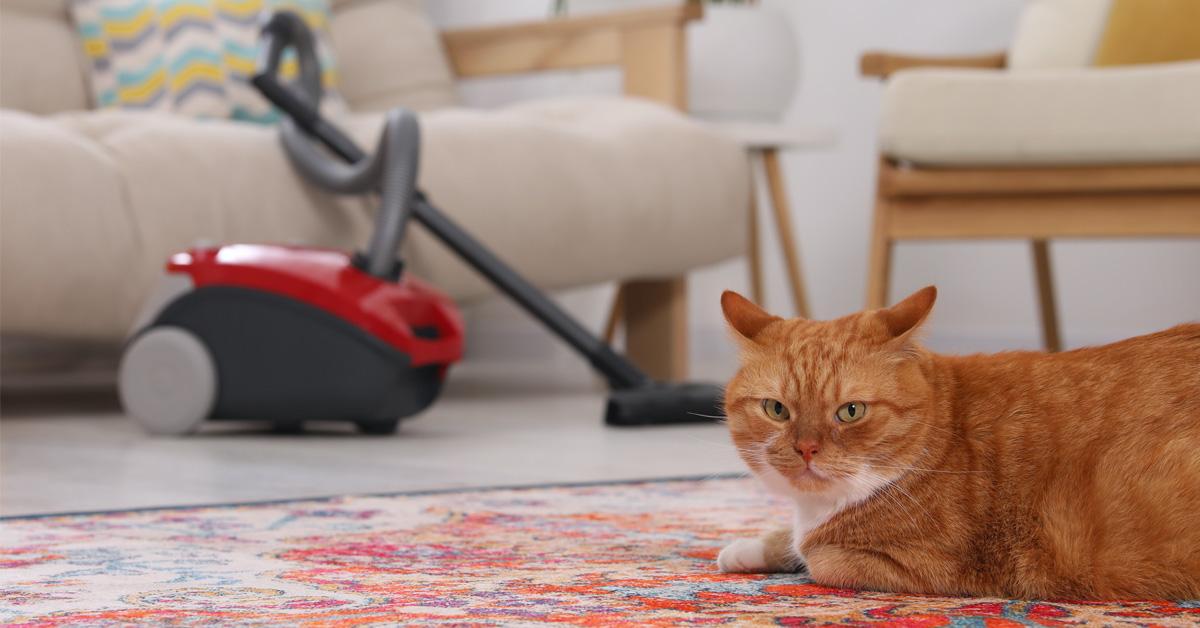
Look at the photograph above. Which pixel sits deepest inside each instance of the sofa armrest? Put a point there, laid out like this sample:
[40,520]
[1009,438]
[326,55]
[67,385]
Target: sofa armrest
[649,44]
[884,64]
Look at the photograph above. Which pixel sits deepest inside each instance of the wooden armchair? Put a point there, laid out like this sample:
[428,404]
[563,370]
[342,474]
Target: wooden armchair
[649,45]
[1038,202]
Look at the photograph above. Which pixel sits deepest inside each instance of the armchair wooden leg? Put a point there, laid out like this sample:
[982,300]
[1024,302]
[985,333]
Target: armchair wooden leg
[879,266]
[1045,285]
[656,332]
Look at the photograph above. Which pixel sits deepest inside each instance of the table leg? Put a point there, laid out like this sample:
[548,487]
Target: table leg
[754,251]
[783,226]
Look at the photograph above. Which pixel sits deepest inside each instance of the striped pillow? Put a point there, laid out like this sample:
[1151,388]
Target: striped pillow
[191,57]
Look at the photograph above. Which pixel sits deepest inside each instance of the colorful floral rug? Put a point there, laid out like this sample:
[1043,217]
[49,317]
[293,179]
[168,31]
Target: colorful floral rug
[639,554]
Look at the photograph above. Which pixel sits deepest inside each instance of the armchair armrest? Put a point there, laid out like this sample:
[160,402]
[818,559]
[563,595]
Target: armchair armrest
[649,44]
[883,64]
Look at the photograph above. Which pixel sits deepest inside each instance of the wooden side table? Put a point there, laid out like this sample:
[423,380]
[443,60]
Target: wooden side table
[762,141]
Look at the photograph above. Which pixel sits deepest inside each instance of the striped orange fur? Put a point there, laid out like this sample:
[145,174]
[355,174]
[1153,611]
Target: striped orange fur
[1019,474]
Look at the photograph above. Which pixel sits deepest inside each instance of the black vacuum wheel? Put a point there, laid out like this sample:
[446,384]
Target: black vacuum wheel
[378,428]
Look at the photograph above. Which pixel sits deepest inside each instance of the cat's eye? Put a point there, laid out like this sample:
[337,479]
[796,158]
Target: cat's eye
[851,412]
[775,410]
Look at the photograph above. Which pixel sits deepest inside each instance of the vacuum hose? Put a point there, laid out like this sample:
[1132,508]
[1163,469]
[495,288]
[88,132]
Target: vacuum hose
[391,169]
[635,400]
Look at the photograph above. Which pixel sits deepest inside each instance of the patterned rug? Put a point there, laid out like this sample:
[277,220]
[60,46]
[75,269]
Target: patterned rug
[639,554]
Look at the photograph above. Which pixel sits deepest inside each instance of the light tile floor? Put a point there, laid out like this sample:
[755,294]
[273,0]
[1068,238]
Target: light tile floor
[494,426]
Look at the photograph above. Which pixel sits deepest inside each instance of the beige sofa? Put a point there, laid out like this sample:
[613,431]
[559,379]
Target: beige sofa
[570,191]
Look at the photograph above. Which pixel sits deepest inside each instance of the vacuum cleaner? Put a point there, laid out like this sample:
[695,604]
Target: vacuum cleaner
[291,334]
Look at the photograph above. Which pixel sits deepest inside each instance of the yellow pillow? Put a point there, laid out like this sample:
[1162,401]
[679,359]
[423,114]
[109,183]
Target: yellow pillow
[1150,31]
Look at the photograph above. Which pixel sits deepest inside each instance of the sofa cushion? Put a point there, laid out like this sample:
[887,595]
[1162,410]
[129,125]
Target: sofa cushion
[391,54]
[1142,114]
[69,250]
[571,192]
[43,65]
[579,191]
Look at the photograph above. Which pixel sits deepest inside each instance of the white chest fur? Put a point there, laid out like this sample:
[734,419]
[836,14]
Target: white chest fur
[815,508]
[811,510]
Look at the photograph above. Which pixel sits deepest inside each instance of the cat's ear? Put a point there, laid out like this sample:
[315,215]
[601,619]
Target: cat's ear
[746,318]
[904,317]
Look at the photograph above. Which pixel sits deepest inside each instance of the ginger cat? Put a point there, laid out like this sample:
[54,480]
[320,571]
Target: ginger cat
[1022,474]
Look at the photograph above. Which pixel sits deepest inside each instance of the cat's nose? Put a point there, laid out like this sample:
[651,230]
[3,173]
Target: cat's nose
[806,448]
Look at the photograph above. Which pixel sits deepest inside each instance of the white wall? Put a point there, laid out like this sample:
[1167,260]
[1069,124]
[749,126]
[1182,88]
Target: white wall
[1107,289]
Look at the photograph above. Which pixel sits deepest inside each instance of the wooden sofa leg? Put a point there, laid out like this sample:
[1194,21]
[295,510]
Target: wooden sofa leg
[879,266]
[656,332]
[1045,286]
[614,315]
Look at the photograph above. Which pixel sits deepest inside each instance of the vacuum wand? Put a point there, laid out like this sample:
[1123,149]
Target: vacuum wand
[619,372]
[636,398]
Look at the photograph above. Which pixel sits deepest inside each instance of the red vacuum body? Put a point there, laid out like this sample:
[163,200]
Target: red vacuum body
[287,335]
[290,335]
[410,315]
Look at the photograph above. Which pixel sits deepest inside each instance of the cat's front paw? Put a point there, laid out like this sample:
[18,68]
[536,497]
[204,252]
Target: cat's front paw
[743,556]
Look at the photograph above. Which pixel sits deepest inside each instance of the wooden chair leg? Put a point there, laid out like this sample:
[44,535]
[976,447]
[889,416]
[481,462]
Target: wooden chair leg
[656,333]
[1045,286]
[783,226]
[879,266]
[753,248]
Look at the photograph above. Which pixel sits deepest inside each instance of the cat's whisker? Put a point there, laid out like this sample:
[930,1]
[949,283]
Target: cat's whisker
[874,464]
[883,494]
[737,475]
[719,417]
[918,507]
[756,455]
[753,457]
[903,468]
[933,427]
[885,482]
[904,491]
[893,498]
[723,445]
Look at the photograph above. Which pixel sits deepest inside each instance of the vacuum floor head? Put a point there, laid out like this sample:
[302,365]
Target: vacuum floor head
[664,403]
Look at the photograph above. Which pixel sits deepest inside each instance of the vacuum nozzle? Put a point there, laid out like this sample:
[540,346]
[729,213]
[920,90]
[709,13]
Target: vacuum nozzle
[665,403]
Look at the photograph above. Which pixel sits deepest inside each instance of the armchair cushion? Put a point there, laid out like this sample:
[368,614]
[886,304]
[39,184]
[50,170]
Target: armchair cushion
[1133,114]
[1057,34]
[570,192]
